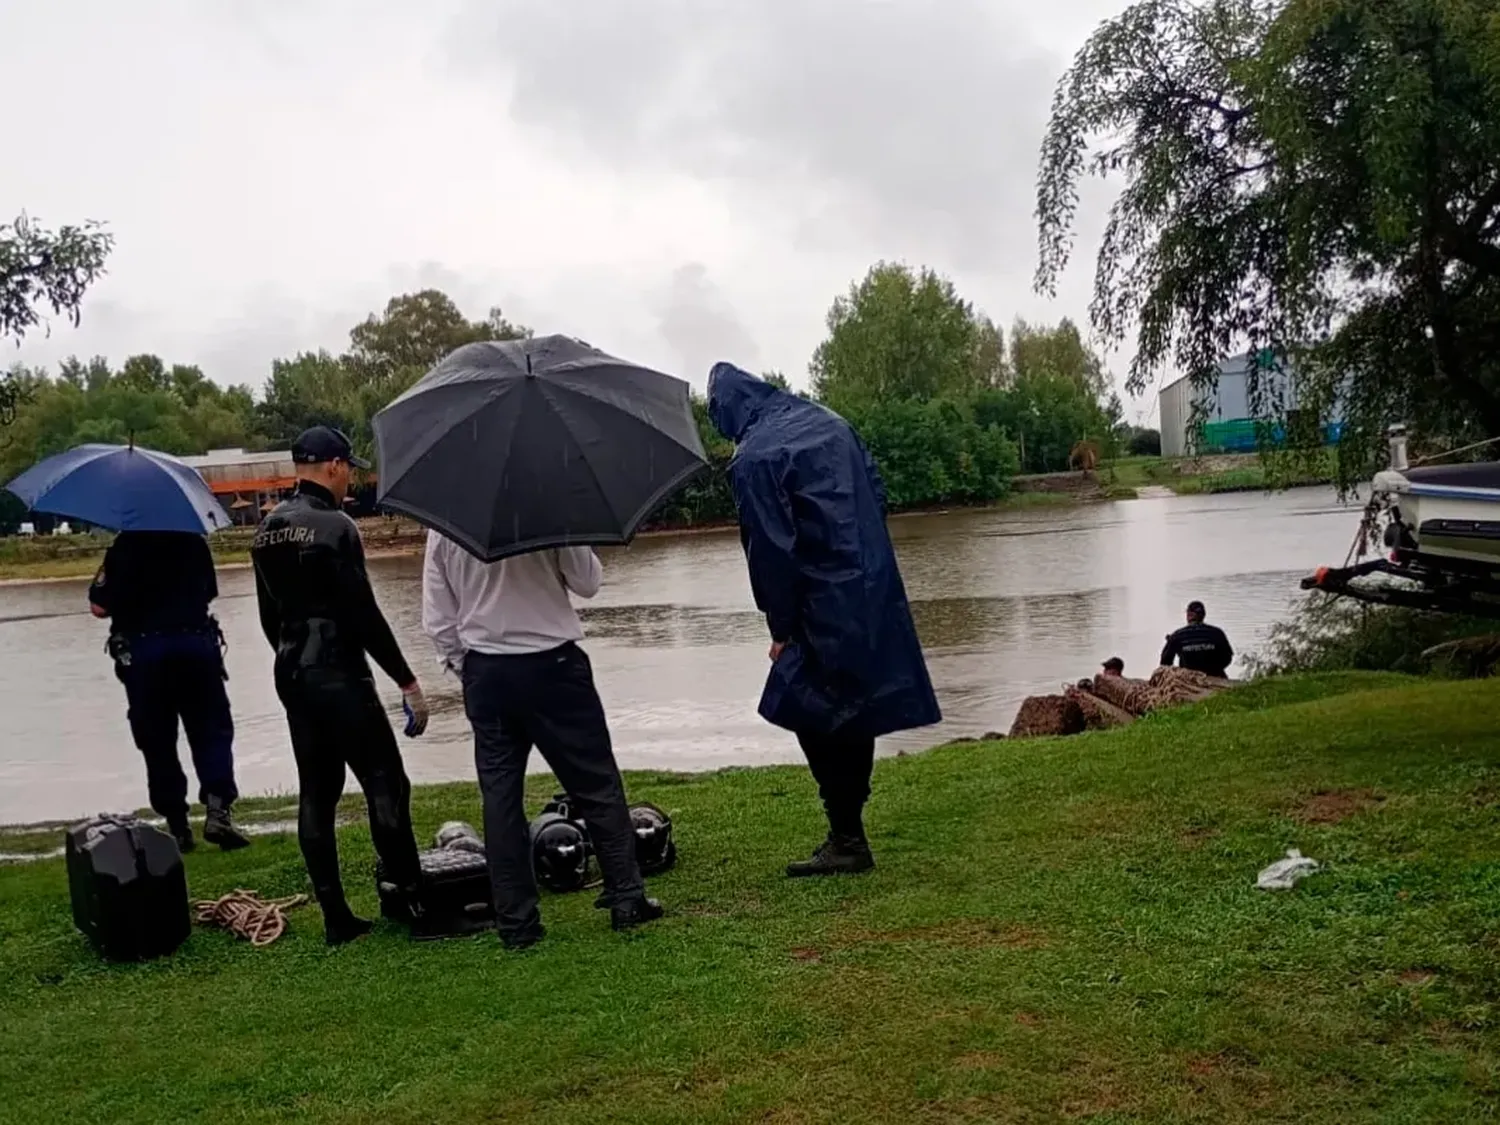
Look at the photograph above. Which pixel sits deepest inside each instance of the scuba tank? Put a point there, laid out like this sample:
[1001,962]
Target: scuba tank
[560,848]
[655,848]
[128,888]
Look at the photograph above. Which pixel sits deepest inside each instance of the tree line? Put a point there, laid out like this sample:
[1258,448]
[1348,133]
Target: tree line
[950,413]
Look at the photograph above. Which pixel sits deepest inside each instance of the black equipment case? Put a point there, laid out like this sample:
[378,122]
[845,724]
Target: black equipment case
[129,888]
[456,897]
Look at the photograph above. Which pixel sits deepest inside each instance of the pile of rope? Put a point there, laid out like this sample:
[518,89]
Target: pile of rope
[245,914]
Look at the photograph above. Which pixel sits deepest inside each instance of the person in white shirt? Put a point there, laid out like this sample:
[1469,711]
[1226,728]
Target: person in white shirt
[509,631]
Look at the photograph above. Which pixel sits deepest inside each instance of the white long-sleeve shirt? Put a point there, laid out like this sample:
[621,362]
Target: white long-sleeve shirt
[511,607]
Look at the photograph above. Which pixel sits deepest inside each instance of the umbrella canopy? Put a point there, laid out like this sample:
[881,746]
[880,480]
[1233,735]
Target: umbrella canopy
[516,445]
[121,488]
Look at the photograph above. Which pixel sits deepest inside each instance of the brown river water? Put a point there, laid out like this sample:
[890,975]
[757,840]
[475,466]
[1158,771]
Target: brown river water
[1008,604]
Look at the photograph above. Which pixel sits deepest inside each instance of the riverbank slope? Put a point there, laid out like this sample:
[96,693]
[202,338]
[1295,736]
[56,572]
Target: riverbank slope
[1057,929]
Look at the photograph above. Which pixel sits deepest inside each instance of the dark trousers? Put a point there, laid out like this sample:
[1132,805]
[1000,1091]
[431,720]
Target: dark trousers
[172,678]
[546,700]
[841,764]
[337,720]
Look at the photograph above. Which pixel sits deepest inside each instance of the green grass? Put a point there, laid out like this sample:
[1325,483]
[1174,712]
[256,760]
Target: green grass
[1063,929]
[78,556]
[1188,477]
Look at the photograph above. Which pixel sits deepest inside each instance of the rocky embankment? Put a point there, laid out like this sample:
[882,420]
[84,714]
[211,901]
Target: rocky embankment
[1111,701]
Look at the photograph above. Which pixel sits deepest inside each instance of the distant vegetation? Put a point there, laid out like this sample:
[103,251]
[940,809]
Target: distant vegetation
[950,412]
[1335,635]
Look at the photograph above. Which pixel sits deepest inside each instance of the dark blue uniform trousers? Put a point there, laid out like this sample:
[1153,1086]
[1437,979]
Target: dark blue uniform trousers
[172,677]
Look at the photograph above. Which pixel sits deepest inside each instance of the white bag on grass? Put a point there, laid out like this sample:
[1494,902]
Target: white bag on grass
[1282,874]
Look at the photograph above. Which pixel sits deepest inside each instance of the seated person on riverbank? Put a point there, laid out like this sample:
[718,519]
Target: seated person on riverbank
[1198,645]
[1114,667]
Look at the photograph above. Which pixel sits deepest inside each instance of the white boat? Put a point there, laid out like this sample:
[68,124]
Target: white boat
[1441,526]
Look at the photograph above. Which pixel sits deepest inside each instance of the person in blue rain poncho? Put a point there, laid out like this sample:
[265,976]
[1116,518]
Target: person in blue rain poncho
[846,665]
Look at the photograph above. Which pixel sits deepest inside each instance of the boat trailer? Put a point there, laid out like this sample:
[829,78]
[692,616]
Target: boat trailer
[1430,589]
[1440,528]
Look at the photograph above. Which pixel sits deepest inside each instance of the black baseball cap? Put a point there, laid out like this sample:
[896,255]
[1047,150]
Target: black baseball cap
[324,443]
[1114,664]
[1197,607]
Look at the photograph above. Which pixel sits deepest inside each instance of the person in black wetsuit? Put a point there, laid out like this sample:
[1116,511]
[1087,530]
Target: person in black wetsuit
[1198,645]
[155,588]
[319,613]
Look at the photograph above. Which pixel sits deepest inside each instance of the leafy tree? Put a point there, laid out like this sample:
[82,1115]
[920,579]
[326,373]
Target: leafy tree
[1059,353]
[311,389]
[1320,178]
[1052,399]
[416,330]
[38,267]
[902,334]
[1140,442]
[144,373]
[935,451]
[708,498]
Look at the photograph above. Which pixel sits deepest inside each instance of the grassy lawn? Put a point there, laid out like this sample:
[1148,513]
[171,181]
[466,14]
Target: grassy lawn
[1058,930]
[1189,476]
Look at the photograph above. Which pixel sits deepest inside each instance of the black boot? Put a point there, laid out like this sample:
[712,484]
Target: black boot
[218,827]
[517,940]
[342,926]
[182,832]
[634,912]
[838,855]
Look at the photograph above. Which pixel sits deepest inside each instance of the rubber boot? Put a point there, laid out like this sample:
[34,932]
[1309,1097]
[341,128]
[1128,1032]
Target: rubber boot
[341,926]
[218,827]
[182,832]
[837,855]
[634,912]
[524,939]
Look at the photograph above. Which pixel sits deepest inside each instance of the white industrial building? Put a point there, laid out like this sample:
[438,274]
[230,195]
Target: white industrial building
[1227,423]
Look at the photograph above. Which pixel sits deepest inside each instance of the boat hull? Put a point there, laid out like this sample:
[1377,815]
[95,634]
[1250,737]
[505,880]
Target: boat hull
[1446,512]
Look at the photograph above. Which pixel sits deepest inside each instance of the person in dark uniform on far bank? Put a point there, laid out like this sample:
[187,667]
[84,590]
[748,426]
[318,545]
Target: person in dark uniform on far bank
[1198,645]
[320,615]
[155,588]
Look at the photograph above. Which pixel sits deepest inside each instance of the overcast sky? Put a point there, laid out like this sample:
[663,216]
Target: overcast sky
[675,181]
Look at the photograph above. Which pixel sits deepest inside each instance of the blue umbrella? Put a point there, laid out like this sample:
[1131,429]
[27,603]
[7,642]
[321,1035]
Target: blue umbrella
[121,488]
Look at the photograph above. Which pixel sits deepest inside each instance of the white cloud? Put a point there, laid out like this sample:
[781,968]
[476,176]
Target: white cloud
[676,181]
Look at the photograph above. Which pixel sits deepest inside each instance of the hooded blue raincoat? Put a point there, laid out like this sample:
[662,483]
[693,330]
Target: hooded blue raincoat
[812,521]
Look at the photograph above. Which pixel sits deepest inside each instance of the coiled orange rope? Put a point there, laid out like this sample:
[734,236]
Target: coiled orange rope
[245,914]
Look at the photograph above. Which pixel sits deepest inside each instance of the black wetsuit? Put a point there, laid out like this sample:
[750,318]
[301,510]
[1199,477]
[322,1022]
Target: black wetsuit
[1200,647]
[156,587]
[318,611]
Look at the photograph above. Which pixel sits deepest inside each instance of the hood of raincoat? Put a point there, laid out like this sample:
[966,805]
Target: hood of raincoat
[736,398]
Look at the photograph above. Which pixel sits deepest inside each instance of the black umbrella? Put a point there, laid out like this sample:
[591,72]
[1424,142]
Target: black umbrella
[515,445]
